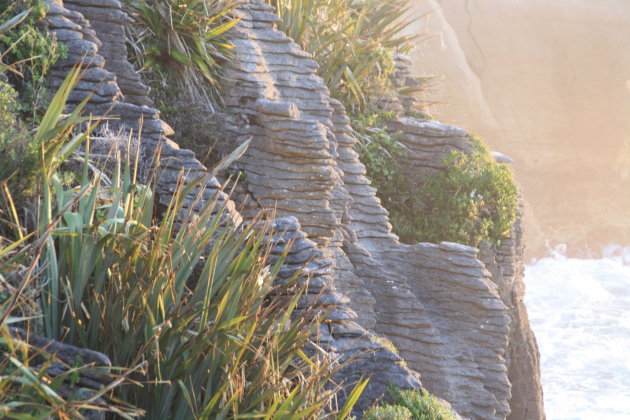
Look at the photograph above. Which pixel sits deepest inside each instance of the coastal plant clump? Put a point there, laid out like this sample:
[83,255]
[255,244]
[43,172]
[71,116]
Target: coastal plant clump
[410,405]
[181,44]
[353,42]
[35,384]
[388,412]
[18,153]
[180,47]
[473,199]
[421,404]
[28,51]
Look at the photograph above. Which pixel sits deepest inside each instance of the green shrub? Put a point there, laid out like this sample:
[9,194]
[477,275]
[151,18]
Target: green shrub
[421,404]
[19,155]
[29,51]
[473,199]
[353,41]
[388,412]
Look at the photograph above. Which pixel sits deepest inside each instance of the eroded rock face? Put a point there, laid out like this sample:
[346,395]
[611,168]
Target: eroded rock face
[99,42]
[523,358]
[438,303]
[80,24]
[60,358]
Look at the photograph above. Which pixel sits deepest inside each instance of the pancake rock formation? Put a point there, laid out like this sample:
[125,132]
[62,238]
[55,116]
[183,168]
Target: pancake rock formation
[454,313]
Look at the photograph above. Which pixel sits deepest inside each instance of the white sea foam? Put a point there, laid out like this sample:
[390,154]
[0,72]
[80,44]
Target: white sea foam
[580,312]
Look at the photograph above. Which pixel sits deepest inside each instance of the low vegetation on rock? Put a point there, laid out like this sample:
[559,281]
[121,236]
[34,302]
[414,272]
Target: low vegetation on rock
[388,412]
[27,53]
[473,199]
[353,42]
[410,405]
[421,404]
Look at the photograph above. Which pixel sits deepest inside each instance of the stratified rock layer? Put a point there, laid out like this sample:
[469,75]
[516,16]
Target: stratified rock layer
[80,24]
[445,312]
[437,303]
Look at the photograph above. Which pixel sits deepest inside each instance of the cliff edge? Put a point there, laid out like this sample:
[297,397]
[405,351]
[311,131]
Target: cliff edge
[455,315]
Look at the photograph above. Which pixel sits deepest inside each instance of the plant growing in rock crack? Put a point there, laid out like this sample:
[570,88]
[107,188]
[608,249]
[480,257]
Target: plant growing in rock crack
[182,43]
[352,41]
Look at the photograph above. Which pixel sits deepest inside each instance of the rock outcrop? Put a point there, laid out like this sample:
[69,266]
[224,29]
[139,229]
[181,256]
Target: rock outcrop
[93,31]
[80,24]
[56,359]
[447,314]
[302,162]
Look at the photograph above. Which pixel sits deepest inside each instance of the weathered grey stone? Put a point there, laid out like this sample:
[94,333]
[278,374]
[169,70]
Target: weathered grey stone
[447,312]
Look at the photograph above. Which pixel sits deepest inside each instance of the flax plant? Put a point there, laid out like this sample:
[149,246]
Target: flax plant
[184,42]
[354,43]
[219,344]
[35,383]
[181,293]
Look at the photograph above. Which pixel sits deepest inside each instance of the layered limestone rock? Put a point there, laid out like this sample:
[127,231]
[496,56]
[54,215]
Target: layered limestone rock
[437,303]
[507,268]
[81,24]
[94,375]
[427,143]
[347,342]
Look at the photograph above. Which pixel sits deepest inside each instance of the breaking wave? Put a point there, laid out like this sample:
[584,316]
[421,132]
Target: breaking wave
[580,312]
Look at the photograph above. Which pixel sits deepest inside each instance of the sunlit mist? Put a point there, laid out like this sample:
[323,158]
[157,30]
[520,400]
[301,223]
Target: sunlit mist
[545,82]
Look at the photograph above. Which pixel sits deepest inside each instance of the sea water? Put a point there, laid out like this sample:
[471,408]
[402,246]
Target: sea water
[580,312]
